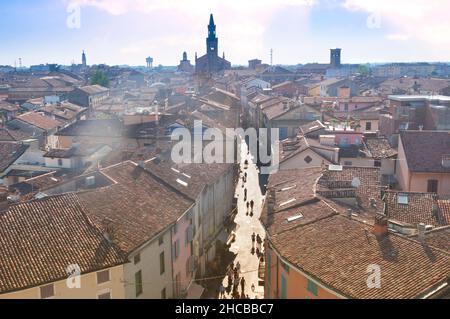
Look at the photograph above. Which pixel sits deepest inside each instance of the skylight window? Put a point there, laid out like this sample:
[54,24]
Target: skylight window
[186,175]
[402,199]
[335,168]
[175,170]
[179,181]
[287,202]
[288,188]
[295,217]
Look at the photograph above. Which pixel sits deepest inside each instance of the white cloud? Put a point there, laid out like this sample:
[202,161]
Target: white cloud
[424,21]
[398,37]
[246,20]
[118,7]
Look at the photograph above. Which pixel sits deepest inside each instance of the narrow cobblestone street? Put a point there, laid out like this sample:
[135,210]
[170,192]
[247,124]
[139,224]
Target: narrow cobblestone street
[246,225]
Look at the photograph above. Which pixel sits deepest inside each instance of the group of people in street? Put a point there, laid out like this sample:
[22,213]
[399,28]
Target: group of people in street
[234,281]
[256,244]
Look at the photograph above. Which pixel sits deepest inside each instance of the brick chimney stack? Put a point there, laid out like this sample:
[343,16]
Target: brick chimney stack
[380,227]
[421,228]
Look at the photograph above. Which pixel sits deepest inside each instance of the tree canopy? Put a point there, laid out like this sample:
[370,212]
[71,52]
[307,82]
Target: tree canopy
[100,78]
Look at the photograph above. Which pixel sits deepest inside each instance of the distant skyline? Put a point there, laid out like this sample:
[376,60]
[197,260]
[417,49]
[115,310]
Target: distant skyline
[119,32]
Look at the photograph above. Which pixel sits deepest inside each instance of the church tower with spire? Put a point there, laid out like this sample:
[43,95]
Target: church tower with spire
[211,62]
[83,59]
[211,40]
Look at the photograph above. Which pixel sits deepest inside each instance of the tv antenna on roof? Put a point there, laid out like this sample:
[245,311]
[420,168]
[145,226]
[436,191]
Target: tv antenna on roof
[271,57]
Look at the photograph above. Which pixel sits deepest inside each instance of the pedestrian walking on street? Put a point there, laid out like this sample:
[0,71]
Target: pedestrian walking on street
[230,280]
[253,287]
[238,267]
[245,194]
[234,293]
[242,284]
[222,291]
[253,237]
[259,242]
[248,204]
[252,203]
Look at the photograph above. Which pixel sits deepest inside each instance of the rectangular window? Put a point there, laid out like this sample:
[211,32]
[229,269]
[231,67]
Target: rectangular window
[283,133]
[60,162]
[368,126]
[138,283]
[348,163]
[163,294]
[137,259]
[377,163]
[106,295]
[161,263]
[102,276]
[312,287]
[47,291]
[432,186]
[161,240]
[176,249]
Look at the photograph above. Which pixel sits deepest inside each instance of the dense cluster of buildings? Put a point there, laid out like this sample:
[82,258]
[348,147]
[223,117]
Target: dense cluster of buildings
[88,185]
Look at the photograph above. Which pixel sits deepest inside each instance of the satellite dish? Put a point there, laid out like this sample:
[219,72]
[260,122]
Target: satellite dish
[356,182]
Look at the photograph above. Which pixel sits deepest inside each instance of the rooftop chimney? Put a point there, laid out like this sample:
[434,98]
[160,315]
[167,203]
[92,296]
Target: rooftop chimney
[372,202]
[421,232]
[380,227]
[349,213]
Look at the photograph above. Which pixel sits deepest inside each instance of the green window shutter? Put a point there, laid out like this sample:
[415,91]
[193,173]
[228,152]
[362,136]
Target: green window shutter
[138,282]
[283,287]
[312,287]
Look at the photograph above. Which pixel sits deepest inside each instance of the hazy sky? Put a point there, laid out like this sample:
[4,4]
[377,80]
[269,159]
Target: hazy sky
[299,31]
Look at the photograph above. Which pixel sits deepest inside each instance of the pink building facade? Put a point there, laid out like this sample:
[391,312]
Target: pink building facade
[182,252]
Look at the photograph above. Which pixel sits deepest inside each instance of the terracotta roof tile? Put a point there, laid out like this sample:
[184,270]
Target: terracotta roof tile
[41,238]
[9,153]
[337,251]
[380,147]
[424,150]
[39,120]
[132,207]
[421,208]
